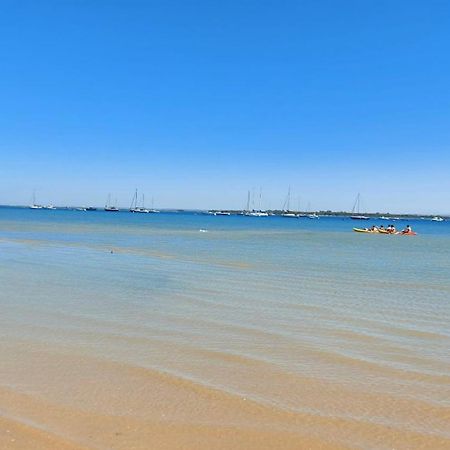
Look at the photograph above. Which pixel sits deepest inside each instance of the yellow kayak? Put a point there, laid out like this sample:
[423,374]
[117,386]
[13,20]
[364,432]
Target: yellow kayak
[364,230]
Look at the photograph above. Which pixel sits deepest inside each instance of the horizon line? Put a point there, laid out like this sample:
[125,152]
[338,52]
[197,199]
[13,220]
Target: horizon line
[327,212]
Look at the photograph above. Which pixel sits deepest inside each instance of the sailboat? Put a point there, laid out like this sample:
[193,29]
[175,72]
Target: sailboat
[246,211]
[259,212]
[253,212]
[287,205]
[357,216]
[34,205]
[152,210]
[134,208]
[311,215]
[109,207]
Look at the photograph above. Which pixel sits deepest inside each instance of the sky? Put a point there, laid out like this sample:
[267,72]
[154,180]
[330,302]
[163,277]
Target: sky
[195,103]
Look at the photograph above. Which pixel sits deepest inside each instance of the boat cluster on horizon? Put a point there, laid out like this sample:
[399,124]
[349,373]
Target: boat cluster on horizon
[140,208]
[35,205]
[109,207]
[287,212]
[253,212]
[134,207]
[263,213]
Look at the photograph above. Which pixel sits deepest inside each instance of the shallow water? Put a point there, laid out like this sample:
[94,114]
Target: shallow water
[343,336]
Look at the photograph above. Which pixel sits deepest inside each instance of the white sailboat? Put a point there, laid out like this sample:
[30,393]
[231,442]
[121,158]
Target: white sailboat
[246,211]
[134,208]
[355,208]
[256,212]
[287,206]
[109,207]
[34,205]
[311,215]
[153,210]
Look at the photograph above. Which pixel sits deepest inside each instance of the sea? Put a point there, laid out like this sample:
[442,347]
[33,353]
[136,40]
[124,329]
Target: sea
[340,336]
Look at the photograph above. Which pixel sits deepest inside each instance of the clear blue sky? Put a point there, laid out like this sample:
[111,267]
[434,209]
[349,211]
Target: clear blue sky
[196,102]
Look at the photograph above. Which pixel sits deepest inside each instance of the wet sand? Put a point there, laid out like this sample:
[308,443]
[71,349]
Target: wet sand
[58,401]
[55,400]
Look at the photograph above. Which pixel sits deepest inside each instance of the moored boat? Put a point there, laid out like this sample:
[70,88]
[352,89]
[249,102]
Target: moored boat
[109,207]
[258,214]
[34,205]
[355,208]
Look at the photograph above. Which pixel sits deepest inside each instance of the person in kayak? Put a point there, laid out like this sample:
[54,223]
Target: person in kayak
[391,229]
[407,230]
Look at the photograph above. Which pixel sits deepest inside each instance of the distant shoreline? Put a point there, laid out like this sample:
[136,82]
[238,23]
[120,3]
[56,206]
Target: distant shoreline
[272,212]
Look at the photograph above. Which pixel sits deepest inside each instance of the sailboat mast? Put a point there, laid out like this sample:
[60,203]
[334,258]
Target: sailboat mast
[356,205]
[134,201]
[289,199]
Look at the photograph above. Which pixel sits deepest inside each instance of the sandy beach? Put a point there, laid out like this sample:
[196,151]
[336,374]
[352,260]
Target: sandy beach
[59,401]
[80,403]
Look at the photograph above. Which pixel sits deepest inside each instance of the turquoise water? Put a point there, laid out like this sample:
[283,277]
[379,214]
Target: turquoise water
[294,299]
